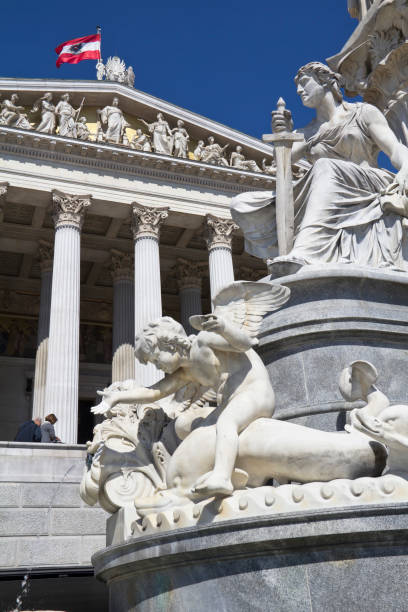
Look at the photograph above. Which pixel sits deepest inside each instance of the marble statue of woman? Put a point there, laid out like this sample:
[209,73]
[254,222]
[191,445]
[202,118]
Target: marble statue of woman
[239,161]
[342,211]
[116,124]
[141,142]
[66,117]
[48,116]
[82,130]
[198,151]
[161,135]
[181,139]
[213,153]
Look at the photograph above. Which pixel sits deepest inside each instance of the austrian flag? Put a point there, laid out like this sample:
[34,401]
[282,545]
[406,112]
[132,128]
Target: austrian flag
[78,49]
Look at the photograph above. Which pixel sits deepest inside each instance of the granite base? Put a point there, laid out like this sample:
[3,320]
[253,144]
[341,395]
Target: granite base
[335,315]
[330,560]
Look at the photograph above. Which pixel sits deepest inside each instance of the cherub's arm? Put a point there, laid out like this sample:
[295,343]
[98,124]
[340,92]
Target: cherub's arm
[225,336]
[143,395]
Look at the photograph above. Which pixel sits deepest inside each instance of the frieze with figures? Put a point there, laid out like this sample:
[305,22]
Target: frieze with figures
[48,116]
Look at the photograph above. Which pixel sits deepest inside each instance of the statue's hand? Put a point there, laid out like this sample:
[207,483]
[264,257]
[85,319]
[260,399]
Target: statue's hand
[282,121]
[212,323]
[401,178]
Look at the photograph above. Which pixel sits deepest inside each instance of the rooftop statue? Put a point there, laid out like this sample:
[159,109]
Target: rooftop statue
[141,141]
[82,130]
[66,117]
[213,153]
[48,114]
[115,70]
[198,151]
[181,138]
[116,125]
[10,112]
[343,212]
[161,135]
[239,161]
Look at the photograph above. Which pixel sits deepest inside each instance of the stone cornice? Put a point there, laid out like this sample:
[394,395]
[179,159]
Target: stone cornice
[51,147]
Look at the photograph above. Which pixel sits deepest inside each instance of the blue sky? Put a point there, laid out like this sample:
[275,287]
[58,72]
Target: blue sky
[227,60]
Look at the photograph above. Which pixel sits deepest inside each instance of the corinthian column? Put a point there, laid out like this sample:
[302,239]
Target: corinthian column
[3,193]
[189,278]
[146,222]
[123,360]
[219,238]
[61,395]
[45,253]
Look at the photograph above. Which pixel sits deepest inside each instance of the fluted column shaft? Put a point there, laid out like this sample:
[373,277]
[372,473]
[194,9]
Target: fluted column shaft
[45,255]
[219,238]
[123,360]
[189,278]
[148,303]
[61,396]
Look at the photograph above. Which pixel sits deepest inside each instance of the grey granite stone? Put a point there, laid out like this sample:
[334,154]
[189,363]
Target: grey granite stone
[9,495]
[51,494]
[67,521]
[23,522]
[335,316]
[338,559]
[90,545]
[48,551]
[8,552]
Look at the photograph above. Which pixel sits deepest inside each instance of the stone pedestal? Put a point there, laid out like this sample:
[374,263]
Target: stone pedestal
[335,315]
[331,559]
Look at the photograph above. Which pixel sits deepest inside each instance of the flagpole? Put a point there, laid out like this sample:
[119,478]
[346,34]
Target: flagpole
[99,31]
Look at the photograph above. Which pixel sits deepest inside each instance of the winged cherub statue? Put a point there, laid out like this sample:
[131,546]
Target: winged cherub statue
[221,358]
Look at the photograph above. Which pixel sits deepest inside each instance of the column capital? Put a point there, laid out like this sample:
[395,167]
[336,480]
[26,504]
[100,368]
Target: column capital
[219,232]
[189,273]
[69,210]
[146,220]
[45,255]
[122,266]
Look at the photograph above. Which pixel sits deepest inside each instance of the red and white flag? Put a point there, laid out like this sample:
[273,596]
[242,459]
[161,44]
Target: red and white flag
[78,49]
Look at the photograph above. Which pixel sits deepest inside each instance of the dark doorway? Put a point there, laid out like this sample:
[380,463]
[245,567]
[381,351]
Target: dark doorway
[86,421]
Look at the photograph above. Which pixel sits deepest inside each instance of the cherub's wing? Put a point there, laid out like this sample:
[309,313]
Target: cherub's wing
[245,302]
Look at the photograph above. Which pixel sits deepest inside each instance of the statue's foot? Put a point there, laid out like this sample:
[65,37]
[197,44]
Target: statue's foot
[212,484]
[159,502]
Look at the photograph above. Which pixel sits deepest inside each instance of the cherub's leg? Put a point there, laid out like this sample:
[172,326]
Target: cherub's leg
[237,415]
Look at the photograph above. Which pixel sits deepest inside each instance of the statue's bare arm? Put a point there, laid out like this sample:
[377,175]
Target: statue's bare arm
[386,140]
[220,334]
[143,395]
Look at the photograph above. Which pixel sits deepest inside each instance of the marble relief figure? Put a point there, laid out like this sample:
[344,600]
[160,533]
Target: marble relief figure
[66,117]
[347,210]
[141,142]
[10,111]
[239,161]
[161,135]
[48,114]
[181,138]
[213,153]
[113,118]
